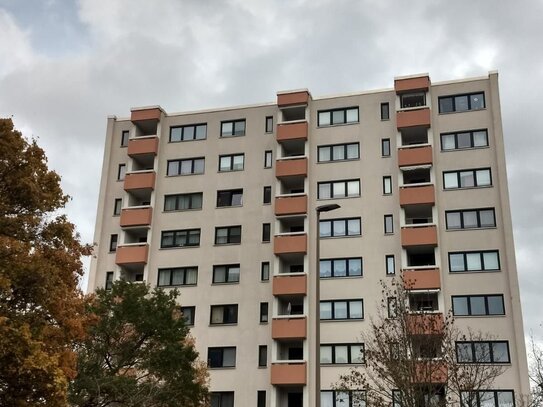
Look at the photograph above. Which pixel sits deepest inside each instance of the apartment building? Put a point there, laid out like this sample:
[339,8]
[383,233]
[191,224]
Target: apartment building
[221,204]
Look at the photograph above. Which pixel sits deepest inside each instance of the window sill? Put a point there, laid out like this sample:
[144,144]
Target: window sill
[184,175]
[339,237]
[182,210]
[342,197]
[339,277]
[231,136]
[467,188]
[230,324]
[452,150]
[463,111]
[342,320]
[226,283]
[226,244]
[186,141]
[338,161]
[336,125]
[229,206]
[221,368]
[179,247]
[227,171]
[480,316]
[177,286]
[470,229]
[474,272]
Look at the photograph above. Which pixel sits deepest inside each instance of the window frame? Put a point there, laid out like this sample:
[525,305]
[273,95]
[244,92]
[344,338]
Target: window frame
[331,116]
[231,166]
[230,193]
[261,398]
[179,197]
[477,400]
[265,271]
[229,234]
[412,94]
[346,221]
[335,260]
[269,124]
[349,346]
[334,184]
[348,307]
[186,126]
[121,172]
[268,159]
[125,137]
[221,349]
[471,136]
[266,195]
[389,257]
[474,172]
[481,254]
[110,275]
[171,270]
[345,152]
[180,162]
[113,242]
[266,232]
[189,321]
[264,313]
[462,220]
[387,185]
[385,147]
[473,355]
[224,134]
[385,111]
[352,400]
[225,307]
[229,274]
[453,102]
[262,355]
[469,305]
[175,237]
[117,206]
[388,223]
[220,395]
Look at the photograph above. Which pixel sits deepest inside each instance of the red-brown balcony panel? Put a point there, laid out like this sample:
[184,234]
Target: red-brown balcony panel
[136,217]
[415,156]
[139,180]
[430,372]
[291,168]
[292,98]
[289,285]
[413,118]
[412,84]
[289,328]
[290,205]
[143,146]
[132,255]
[422,279]
[290,244]
[417,195]
[425,324]
[292,131]
[419,236]
[141,115]
[288,374]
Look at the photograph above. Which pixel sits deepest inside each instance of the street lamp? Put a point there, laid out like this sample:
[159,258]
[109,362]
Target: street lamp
[319,209]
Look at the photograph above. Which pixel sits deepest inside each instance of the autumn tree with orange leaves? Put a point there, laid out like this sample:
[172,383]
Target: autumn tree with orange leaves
[42,311]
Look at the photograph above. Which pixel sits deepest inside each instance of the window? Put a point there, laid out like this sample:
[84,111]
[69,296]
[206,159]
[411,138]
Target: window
[390,265]
[266,232]
[121,172]
[415,99]
[487,260]
[339,189]
[389,224]
[109,280]
[265,271]
[221,357]
[385,147]
[483,352]
[261,398]
[188,313]
[471,219]
[228,235]
[267,195]
[183,202]
[262,356]
[233,162]
[264,312]
[392,307]
[113,243]
[344,353]
[337,398]
[462,103]
[385,111]
[268,159]
[467,178]
[338,152]
[464,139]
[349,267]
[233,128]
[177,276]
[230,197]
[180,238]
[341,309]
[387,185]
[488,398]
[222,399]
[226,273]
[340,227]
[224,314]
[124,138]
[337,116]
[117,207]
[269,124]
[466,305]
[187,133]
[186,166]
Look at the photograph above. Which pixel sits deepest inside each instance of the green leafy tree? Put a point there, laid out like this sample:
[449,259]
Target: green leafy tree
[41,308]
[138,352]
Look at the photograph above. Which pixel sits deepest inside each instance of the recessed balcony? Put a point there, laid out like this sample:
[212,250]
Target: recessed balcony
[140,180]
[423,279]
[136,216]
[419,236]
[132,254]
[413,118]
[145,145]
[425,323]
[417,195]
[403,85]
[290,205]
[292,98]
[290,327]
[431,372]
[292,131]
[146,119]
[295,243]
[290,285]
[288,373]
[294,167]
[415,156]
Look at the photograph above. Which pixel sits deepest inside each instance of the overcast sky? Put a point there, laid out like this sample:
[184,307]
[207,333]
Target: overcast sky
[66,65]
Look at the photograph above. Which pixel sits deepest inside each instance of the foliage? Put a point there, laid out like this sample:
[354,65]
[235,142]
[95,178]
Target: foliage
[138,353]
[41,307]
[415,354]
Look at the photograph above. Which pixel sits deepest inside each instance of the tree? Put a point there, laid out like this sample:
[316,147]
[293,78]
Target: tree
[41,307]
[535,357]
[138,352]
[414,358]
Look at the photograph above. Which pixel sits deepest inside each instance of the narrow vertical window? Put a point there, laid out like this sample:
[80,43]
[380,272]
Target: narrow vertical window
[266,232]
[124,138]
[265,271]
[267,195]
[387,185]
[390,265]
[117,207]
[113,243]
[268,159]
[109,280]
[261,398]
[391,307]
[264,312]
[389,224]
[269,124]
[262,356]
[385,147]
[121,172]
[385,113]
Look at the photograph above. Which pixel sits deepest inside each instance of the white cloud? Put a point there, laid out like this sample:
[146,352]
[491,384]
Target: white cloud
[15,50]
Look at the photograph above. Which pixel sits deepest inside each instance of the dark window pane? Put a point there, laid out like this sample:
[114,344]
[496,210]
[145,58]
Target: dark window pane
[445,105]
[477,305]
[460,306]
[461,103]
[495,305]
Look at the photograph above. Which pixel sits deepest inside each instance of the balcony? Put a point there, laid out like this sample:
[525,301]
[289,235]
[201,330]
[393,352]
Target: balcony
[419,236]
[431,372]
[146,119]
[425,323]
[417,195]
[415,156]
[413,118]
[293,167]
[402,85]
[290,205]
[424,279]
[132,254]
[292,131]
[137,216]
[290,327]
[292,98]
[295,243]
[146,145]
[290,285]
[288,373]
[140,180]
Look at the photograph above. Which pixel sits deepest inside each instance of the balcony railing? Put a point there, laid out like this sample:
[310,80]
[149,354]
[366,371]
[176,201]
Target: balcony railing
[423,279]
[297,130]
[140,180]
[412,156]
[419,236]
[288,373]
[413,118]
[290,243]
[286,284]
[416,195]
[145,145]
[136,216]
[132,254]
[291,167]
[289,327]
[291,205]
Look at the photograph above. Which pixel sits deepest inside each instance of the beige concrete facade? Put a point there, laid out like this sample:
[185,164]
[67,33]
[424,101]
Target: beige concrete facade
[413,167]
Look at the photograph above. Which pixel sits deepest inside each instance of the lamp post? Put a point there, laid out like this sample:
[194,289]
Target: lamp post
[319,209]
